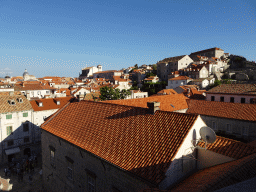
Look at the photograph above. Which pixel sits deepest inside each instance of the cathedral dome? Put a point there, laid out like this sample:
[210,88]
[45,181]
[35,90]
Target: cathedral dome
[25,73]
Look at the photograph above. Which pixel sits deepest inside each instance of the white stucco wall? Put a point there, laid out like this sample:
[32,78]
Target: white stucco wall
[184,62]
[176,83]
[38,116]
[175,172]
[208,158]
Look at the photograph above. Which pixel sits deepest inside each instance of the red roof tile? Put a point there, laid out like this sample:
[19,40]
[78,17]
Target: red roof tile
[167,102]
[234,89]
[219,176]
[180,78]
[167,91]
[239,111]
[229,147]
[49,104]
[125,136]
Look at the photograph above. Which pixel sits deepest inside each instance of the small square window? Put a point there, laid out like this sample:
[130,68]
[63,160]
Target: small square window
[9,116]
[212,98]
[214,125]
[245,131]
[252,100]
[26,139]
[10,143]
[232,99]
[221,99]
[228,128]
[242,100]
[25,114]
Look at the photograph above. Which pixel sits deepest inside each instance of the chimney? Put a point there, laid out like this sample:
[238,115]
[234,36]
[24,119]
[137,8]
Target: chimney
[153,107]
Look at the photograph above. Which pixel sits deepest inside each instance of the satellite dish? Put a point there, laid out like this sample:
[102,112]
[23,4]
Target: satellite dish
[207,134]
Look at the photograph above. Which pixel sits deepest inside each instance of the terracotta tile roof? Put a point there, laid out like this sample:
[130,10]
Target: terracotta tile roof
[17,78]
[229,147]
[151,78]
[8,93]
[195,94]
[172,59]
[206,50]
[167,91]
[49,104]
[234,89]
[220,176]
[32,86]
[180,78]
[167,102]
[239,111]
[5,107]
[109,71]
[90,96]
[125,136]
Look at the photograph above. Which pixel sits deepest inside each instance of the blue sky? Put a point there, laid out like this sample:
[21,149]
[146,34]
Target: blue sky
[60,37]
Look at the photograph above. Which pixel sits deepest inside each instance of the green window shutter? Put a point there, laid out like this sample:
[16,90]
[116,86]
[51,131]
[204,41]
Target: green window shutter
[25,114]
[8,116]
[9,130]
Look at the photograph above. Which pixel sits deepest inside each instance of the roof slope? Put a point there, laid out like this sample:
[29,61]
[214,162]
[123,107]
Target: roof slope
[172,59]
[220,176]
[167,102]
[234,89]
[50,103]
[240,111]
[229,147]
[5,107]
[128,137]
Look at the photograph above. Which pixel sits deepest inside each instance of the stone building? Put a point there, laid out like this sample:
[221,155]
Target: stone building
[96,146]
[168,65]
[233,93]
[18,135]
[212,52]
[87,72]
[235,119]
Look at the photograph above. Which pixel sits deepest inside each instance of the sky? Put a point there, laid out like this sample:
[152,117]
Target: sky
[60,37]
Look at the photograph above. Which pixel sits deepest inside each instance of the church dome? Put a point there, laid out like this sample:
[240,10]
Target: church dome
[25,73]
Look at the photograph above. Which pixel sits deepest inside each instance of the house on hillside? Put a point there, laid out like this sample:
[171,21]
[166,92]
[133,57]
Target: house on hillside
[151,79]
[212,52]
[168,65]
[120,148]
[233,93]
[89,71]
[203,82]
[178,81]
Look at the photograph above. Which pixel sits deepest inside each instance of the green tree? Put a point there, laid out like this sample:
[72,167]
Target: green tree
[150,74]
[154,66]
[108,93]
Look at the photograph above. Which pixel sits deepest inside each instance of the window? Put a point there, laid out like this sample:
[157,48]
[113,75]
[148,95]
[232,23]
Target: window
[242,100]
[252,100]
[10,143]
[25,114]
[214,125]
[9,130]
[212,98]
[47,92]
[9,116]
[25,127]
[91,183]
[245,131]
[232,99]
[26,139]
[70,173]
[52,156]
[221,99]
[70,168]
[228,128]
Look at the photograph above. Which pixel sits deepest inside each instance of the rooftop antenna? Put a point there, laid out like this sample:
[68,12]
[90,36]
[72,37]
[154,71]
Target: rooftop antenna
[207,135]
